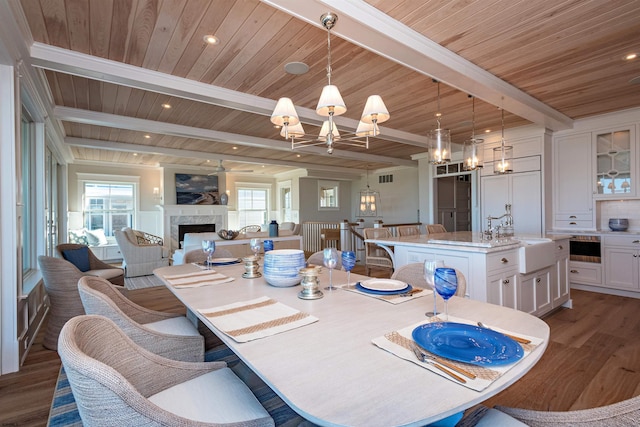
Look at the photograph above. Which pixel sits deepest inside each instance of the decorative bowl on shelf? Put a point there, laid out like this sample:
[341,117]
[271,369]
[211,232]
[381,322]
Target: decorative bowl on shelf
[618,224]
[228,234]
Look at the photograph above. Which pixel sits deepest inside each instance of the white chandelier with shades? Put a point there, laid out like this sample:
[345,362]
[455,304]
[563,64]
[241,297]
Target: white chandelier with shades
[329,106]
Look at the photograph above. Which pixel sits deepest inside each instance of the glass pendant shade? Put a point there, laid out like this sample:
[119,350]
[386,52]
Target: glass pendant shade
[503,159]
[473,154]
[375,111]
[330,102]
[439,146]
[284,113]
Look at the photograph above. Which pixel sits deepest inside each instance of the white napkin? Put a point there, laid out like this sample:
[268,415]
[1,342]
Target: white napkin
[258,318]
[192,274]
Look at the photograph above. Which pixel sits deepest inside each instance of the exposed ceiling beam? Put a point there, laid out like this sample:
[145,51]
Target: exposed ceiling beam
[79,64]
[371,29]
[192,154]
[151,126]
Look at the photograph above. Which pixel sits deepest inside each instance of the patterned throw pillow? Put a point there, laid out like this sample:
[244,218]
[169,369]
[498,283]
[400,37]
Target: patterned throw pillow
[78,237]
[140,238]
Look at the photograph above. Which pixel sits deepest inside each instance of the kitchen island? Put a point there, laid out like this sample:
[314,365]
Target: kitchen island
[501,271]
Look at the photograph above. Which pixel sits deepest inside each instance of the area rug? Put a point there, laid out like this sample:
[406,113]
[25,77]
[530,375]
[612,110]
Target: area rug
[142,282]
[64,411]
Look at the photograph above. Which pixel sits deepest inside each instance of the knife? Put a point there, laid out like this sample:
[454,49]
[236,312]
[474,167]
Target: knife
[411,292]
[423,358]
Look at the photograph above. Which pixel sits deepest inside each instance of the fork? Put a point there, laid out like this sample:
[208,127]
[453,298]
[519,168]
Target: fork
[423,358]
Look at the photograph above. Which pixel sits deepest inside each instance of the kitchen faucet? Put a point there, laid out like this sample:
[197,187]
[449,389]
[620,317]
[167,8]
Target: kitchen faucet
[507,226]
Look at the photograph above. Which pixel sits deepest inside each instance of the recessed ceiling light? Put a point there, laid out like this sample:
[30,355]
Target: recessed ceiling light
[147,136]
[487,130]
[208,161]
[631,56]
[297,155]
[135,154]
[166,105]
[296,68]
[235,148]
[211,39]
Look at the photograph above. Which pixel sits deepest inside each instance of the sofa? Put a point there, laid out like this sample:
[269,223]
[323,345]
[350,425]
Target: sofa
[141,252]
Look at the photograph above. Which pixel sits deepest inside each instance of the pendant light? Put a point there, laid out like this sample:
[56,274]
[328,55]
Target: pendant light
[503,155]
[473,150]
[439,140]
[368,201]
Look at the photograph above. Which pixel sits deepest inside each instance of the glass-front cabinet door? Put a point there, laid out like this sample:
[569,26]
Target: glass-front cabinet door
[615,163]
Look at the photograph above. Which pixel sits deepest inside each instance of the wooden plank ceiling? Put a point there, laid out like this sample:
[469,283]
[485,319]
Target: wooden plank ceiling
[565,55]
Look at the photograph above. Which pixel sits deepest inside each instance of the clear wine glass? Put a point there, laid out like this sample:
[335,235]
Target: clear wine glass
[429,270]
[209,247]
[254,245]
[330,261]
[446,283]
[348,262]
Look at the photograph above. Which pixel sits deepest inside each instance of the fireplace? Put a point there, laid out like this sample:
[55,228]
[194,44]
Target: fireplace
[176,216]
[194,228]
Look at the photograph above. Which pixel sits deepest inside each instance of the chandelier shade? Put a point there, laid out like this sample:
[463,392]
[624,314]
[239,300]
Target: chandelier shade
[330,102]
[285,113]
[330,105]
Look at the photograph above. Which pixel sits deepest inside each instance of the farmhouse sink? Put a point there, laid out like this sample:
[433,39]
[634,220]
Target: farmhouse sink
[535,254]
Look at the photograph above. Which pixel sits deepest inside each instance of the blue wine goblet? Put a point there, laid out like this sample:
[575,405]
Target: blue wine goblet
[348,262]
[446,283]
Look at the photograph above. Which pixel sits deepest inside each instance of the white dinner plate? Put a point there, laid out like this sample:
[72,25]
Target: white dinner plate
[387,285]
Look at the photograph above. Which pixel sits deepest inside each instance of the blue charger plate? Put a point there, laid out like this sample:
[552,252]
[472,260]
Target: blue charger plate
[375,292]
[467,343]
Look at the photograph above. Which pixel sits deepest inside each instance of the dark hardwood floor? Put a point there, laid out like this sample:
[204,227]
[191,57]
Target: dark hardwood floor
[593,359]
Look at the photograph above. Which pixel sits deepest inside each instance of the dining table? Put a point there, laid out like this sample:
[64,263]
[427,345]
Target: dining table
[347,359]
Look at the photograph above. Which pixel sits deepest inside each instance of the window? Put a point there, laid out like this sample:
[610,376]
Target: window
[28,195]
[109,206]
[253,206]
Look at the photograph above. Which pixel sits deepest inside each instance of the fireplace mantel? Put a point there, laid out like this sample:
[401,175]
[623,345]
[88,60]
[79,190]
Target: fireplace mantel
[174,215]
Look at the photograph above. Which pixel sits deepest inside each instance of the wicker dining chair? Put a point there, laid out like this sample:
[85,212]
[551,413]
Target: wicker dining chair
[96,266]
[408,230]
[375,256]
[170,335]
[436,228]
[117,382]
[413,274]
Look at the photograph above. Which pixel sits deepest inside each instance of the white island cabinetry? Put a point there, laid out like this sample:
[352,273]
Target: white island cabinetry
[491,269]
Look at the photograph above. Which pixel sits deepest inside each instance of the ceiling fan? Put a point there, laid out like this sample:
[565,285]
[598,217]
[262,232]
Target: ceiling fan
[221,169]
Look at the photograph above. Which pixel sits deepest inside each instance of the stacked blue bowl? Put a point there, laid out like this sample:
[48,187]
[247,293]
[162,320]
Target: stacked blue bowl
[282,267]
[618,224]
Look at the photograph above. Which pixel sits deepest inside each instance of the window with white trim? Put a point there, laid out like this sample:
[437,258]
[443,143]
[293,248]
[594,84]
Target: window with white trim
[108,206]
[253,206]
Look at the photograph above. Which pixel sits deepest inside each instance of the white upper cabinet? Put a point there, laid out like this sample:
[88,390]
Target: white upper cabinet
[615,163]
[573,177]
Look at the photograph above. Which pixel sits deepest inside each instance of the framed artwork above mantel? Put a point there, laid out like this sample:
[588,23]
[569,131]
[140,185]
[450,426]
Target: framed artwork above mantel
[197,189]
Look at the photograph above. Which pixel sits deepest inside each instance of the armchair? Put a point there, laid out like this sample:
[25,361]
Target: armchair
[141,252]
[117,382]
[192,242]
[69,251]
